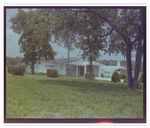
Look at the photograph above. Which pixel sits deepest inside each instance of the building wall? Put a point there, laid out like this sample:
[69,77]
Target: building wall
[62,69]
[95,69]
[121,71]
[107,73]
[28,68]
[42,67]
[72,71]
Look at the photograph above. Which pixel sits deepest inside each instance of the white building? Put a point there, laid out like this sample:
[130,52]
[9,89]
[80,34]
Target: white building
[78,66]
[109,70]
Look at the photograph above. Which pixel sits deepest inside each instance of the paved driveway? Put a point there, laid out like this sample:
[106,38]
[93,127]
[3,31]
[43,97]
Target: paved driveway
[108,79]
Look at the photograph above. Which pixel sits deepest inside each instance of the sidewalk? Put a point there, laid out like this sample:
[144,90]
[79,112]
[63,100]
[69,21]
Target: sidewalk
[108,79]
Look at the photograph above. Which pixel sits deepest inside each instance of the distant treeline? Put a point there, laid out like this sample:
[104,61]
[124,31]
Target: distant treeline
[13,61]
[18,60]
[122,63]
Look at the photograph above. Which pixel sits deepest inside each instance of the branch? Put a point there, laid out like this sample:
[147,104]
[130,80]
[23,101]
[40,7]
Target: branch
[79,11]
[136,39]
[106,34]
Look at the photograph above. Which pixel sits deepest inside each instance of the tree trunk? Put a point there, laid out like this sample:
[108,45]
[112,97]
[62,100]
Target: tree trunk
[138,54]
[90,69]
[138,63]
[129,66]
[90,65]
[32,64]
[68,62]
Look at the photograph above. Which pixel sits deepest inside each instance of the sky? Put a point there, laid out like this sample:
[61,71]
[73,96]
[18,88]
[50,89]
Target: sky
[12,47]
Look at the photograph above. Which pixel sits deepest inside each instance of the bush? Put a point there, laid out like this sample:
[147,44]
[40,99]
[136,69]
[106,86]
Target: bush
[102,75]
[140,85]
[115,77]
[52,72]
[140,80]
[10,69]
[87,75]
[123,76]
[125,80]
[16,70]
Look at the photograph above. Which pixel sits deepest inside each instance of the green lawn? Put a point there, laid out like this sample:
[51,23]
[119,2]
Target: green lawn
[106,77]
[39,96]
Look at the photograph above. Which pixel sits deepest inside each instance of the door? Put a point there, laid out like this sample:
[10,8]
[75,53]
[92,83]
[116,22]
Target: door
[81,70]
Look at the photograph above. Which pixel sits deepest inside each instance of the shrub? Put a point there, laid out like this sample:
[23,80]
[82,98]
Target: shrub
[16,70]
[140,80]
[115,77]
[125,80]
[140,85]
[52,72]
[87,75]
[123,76]
[10,69]
[102,75]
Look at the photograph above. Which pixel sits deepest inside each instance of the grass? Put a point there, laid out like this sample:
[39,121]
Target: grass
[36,73]
[39,96]
[106,77]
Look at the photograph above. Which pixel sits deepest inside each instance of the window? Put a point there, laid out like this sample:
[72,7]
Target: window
[49,66]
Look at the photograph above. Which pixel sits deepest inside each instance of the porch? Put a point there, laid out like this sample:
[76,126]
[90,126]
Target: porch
[79,68]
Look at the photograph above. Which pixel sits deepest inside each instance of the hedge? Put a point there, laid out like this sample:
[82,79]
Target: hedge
[16,69]
[116,77]
[52,72]
[87,75]
[125,80]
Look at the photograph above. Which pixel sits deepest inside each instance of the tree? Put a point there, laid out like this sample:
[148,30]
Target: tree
[92,34]
[67,39]
[139,51]
[106,62]
[91,31]
[12,60]
[126,35]
[64,34]
[126,24]
[35,30]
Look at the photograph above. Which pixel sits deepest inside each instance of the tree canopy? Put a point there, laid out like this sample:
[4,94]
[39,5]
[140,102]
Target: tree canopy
[13,61]
[91,32]
[64,34]
[96,30]
[35,31]
[128,35]
[126,38]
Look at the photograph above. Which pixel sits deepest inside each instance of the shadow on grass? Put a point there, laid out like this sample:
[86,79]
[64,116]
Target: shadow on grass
[86,86]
